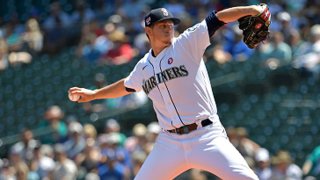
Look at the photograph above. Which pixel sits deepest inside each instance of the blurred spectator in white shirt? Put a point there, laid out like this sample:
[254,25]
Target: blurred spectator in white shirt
[310,61]
[6,170]
[43,162]
[262,164]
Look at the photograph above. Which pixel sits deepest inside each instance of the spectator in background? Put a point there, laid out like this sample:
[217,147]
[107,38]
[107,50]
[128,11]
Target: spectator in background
[196,174]
[235,46]
[13,37]
[115,161]
[57,29]
[153,130]
[94,41]
[82,14]
[276,53]
[110,168]
[75,143]
[43,162]
[112,126]
[103,9]
[284,168]
[65,168]
[57,18]
[126,8]
[88,160]
[309,62]
[17,163]
[220,55]
[89,131]
[21,169]
[311,165]
[138,140]
[121,52]
[18,58]
[33,174]
[85,48]
[26,145]
[4,63]
[232,135]
[262,164]
[116,22]
[245,145]
[54,123]
[138,157]
[17,55]
[33,36]
[297,44]
[285,25]
[6,170]
[177,8]
[141,44]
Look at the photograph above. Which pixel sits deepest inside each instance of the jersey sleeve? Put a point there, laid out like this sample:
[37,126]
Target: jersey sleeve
[194,40]
[135,78]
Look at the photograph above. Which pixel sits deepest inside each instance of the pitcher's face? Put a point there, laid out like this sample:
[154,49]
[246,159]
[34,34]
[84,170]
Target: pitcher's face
[162,31]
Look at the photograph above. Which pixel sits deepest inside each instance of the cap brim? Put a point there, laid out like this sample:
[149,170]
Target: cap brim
[175,20]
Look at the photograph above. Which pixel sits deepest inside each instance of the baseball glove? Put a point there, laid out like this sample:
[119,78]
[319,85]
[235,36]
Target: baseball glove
[255,28]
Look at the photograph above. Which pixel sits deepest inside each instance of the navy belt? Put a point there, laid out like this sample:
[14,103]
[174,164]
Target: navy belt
[190,127]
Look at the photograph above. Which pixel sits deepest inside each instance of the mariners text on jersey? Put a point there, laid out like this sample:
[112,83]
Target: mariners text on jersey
[163,76]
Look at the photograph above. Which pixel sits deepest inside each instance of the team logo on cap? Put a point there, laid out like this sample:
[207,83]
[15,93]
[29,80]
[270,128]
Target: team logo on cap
[164,12]
[148,20]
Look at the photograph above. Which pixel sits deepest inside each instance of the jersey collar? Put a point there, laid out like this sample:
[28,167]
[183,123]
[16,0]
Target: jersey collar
[153,59]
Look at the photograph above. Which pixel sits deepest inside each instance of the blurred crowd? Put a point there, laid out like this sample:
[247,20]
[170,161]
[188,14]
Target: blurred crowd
[74,150]
[78,151]
[110,32]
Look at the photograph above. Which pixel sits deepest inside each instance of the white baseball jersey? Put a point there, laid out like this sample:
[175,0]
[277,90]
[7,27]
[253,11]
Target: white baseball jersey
[177,81]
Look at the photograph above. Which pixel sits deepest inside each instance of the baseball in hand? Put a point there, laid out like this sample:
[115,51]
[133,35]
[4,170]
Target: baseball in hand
[73,97]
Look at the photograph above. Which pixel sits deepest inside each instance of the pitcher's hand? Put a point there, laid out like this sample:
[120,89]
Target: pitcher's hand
[86,95]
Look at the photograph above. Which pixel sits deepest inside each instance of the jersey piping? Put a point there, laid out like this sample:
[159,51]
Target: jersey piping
[165,84]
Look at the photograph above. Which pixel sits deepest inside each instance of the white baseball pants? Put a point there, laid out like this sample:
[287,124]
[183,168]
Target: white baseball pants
[206,148]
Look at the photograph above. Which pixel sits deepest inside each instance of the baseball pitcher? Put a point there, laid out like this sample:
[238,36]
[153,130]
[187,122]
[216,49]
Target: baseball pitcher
[174,76]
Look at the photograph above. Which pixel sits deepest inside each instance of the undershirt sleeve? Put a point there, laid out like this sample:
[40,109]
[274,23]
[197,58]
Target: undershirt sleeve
[213,23]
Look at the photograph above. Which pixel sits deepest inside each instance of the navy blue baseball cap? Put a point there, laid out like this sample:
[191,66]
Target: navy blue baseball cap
[157,15]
